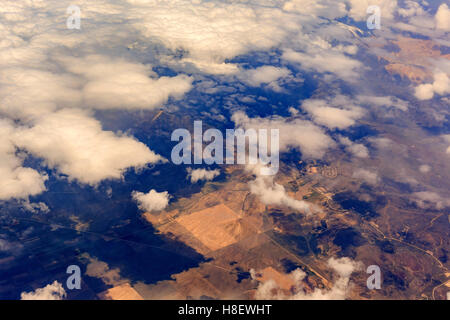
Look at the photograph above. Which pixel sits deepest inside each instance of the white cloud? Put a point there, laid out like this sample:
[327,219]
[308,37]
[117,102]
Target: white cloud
[202,174]
[264,75]
[336,113]
[428,199]
[441,86]
[343,268]
[26,93]
[424,168]
[99,269]
[368,176]
[342,112]
[310,139]
[45,68]
[54,291]
[356,149]
[293,111]
[209,32]
[358,8]
[420,20]
[446,138]
[17,181]
[381,143]
[442,17]
[47,72]
[75,144]
[151,201]
[94,81]
[34,207]
[411,8]
[383,101]
[117,83]
[322,8]
[326,60]
[10,247]
[271,193]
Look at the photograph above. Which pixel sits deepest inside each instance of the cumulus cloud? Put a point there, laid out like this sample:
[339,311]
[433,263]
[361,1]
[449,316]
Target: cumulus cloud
[75,144]
[94,81]
[442,17]
[343,269]
[336,113]
[381,142]
[430,200]
[48,73]
[366,175]
[208,33]
[99,269]
[342,112]
[27,93]
[202,174]
[424,168]
[441,82]
[46,69]
[10,247]
[54,291]
[17,181]
[116,83]
[326,60]
[358,8]
[151,201]
[34,207]
[440,86]
[293,111]
[51,67]
[264,75]
[205,35]
[272,193]
[446,138]
[322,8]
[418,18]
[383,101]
[310,139]
[411,8]
[357,149]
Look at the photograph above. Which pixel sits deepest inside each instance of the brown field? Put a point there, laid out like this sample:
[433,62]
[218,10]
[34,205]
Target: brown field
[122,292]
[216,227]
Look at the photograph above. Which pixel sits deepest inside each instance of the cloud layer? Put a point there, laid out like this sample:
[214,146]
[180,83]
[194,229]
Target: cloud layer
[53,291]
[151,201]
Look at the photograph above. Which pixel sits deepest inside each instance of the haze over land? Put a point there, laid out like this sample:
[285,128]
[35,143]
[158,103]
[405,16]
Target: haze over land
[86,117]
